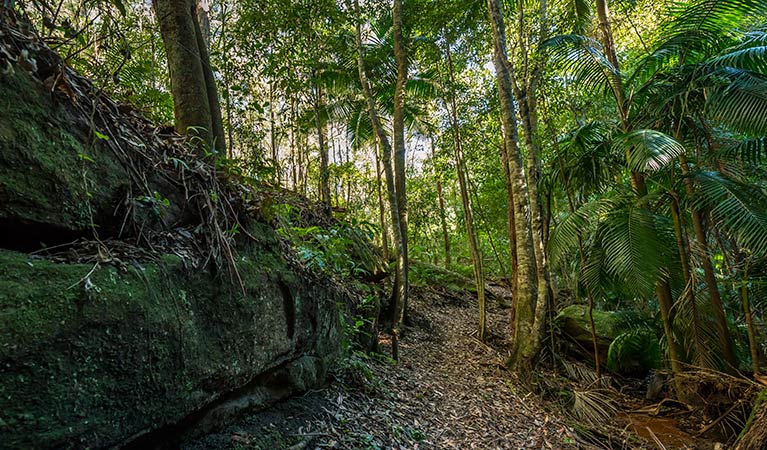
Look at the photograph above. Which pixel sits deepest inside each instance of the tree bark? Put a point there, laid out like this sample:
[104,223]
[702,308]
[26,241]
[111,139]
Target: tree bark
[476,256]
[381,206]
[525,345]
[398,129]
[510,223]
[400,289]
[195,98]
[441,204]
[202,33]
[526,95]
[684,256]
[720,318]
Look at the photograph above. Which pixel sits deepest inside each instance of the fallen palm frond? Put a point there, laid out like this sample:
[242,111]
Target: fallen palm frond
[594,406]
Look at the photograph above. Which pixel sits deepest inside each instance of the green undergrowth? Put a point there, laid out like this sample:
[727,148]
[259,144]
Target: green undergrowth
[426,274]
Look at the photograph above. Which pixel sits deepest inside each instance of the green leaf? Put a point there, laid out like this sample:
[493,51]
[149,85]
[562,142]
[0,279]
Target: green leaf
[100,135]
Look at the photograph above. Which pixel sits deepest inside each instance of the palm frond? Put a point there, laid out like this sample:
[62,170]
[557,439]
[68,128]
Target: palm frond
[749,54]
[649,150]
[753,151]
[635,250]
[588,163]
[740,101]
[578,13]
[594,406]
[741,209]
[563,241]
[634,350]
[695,32]
[584,58]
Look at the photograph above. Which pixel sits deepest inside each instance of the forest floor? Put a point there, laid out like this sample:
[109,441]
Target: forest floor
[450,391]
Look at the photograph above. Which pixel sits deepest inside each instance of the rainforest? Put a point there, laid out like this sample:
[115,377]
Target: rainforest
[383,224]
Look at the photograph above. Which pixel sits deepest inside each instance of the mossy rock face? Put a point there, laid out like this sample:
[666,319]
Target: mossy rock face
[573,324]
[91,361]
[53,175]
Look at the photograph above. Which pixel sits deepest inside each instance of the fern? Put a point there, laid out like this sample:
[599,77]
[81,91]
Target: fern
[634,351]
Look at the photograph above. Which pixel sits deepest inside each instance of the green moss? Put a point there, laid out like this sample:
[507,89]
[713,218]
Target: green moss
[424,274]
[96,355]
[44,175]
[576,321]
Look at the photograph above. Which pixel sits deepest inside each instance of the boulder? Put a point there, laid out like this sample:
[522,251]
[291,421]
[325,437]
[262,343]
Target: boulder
[51,182]
[101,356]
[575,329]
[183,311]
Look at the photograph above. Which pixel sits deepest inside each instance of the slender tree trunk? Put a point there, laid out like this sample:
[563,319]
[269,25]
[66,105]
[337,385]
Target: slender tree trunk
[666,302]
[227,84]
[526,93]
[400,294]
[582,254]
[203,44]
[662,288]
[476,256]
[526,345]
[752,340]
[398,130]
[720,318]
[204,19]
[603,13]
[510,223]
[381,206]
[323,148]
[293,143]
[684,257]
[441,203]
[275,156]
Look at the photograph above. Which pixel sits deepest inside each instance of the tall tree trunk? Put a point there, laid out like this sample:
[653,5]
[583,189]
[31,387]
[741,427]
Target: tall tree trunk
[203,44]
[582,254]
[293,143]
[720,318]
[227,83]
[441,204]
[603,13]
[275,156]
[191,108]
[752,338]
[476,256]
[526,345]
[398,129]
[684,256]
[662,288]
[526,93]
[203,7]
[323,148]
[666,303]
[400,288]
[381,206]
[510,223]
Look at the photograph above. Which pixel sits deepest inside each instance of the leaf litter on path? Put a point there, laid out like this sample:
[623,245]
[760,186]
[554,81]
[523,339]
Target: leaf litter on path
[449,391]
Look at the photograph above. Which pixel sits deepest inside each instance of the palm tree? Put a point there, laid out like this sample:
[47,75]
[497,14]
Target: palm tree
[690,79]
